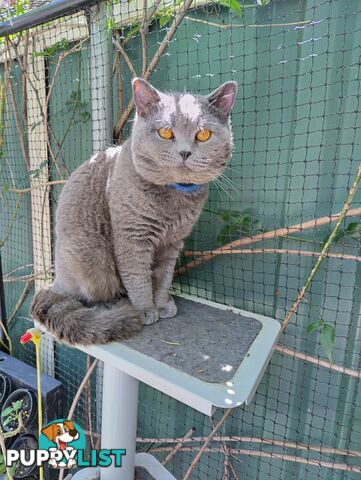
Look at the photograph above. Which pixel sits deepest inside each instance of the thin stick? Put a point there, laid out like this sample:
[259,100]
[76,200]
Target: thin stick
[80,389]
[18,127]
[241,25]
[325,249]
[119,80]
[266,441]
[125,56]
[306,253]
[12,222]
[277,456]
[3,450]
[38,185]
[21,300]
[177,447]
[317,361]
[204,446]
[20,428]
[162,47]
[144,37]
[279,232]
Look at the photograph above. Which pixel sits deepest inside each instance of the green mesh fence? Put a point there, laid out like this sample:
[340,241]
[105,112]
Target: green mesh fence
[297,134]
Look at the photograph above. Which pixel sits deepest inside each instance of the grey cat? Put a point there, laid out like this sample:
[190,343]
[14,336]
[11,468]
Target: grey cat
[123,215]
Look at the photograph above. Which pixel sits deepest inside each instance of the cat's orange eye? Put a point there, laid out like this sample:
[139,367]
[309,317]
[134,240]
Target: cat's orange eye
[203,135]
[166,133]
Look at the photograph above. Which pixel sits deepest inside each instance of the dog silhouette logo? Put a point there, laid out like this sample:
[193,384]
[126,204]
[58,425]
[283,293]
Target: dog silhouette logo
[62,438]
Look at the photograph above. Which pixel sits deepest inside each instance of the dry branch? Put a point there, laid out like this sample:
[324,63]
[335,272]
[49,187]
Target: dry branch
[275,456]
[124,54]
[206,443]
[171,454]
[154,62]
[21,300]
[144,38]
[316,361]
[81,388]
[325,249]
[36,186]
[224,26]
[266,441]
[279,232]
[253,251]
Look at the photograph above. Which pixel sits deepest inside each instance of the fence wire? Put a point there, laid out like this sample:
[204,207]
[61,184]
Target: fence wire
[297,134]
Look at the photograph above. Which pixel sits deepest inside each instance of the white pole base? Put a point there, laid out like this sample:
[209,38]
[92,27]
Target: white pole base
[119,421]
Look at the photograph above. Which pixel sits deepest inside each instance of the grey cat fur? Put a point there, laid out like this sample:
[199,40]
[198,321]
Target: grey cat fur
[120,225]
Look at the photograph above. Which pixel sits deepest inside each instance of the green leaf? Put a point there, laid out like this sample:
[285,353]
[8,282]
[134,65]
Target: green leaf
[233,5]
[165,19]
[314,326]
[353,230]
[7,412]
[263,3]
[7,421]
[327,340]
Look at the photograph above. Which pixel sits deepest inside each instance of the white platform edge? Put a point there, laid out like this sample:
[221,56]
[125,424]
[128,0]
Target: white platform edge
[200,395]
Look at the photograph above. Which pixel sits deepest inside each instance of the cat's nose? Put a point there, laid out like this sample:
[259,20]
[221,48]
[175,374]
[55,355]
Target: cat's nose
[184,154]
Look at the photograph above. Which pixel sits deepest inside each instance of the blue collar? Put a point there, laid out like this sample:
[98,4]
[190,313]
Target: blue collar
[186,187]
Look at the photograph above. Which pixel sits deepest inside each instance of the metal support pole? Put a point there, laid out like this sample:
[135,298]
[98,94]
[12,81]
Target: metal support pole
[119,420]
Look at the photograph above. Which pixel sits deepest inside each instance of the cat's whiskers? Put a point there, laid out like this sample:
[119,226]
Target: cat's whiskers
[229,182]
[217,182]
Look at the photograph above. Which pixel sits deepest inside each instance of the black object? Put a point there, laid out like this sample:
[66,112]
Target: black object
[28,410]
[45,13]
[25,442]
[23,376]
[5,388]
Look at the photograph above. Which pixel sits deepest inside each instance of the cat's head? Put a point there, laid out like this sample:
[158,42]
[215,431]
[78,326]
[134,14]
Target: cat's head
[181,138]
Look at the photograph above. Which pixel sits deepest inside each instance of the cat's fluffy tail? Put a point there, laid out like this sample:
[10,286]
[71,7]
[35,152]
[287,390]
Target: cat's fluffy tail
[69,320]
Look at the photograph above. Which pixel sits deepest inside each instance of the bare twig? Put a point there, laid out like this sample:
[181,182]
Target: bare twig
[21,300]
[253,251]
[177,447]
[206,443]
[277,456]
[12,222]
[266,441]
[124,54]
[317,361]
[37,185]
[224,26]
[325,249]
[279,232]
[18,127]
[144,37]
[81,388]
[154,62]
[11,434]
[45,275]
[20,428]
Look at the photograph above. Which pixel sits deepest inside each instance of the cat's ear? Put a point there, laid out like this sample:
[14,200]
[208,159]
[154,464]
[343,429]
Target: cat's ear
[146,97]
[223,98]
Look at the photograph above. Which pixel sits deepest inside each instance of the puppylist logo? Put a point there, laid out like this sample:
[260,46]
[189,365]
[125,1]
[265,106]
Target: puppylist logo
[62,444]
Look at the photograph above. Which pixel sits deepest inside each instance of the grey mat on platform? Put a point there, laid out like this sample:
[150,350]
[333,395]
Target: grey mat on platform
[205,342]
[142,474]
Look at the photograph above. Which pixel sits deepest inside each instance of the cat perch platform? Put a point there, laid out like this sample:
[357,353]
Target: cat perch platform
[208,356]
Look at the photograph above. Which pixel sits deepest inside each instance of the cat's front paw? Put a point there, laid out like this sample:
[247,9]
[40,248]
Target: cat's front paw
[151,317]
[169,310]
